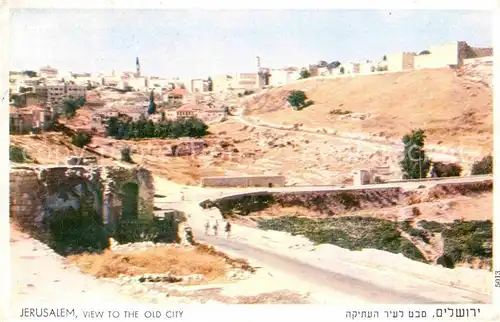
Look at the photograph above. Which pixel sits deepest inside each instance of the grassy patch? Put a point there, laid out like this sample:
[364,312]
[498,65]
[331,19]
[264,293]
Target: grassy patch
[354,233]
[464,241]
[158,260]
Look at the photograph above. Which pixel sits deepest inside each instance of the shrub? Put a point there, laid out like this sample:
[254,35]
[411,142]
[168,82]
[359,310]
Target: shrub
[353,233]
[297,99]
[126,155]
[447,169]
[432,226]
[145,229]
[466,240]
[484,166]
[81,139]
[338,111]
[17,154]
[304,73]
[76,230]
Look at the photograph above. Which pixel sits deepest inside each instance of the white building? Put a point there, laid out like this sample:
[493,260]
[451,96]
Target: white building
[48,72]
[55,93]
[283,76]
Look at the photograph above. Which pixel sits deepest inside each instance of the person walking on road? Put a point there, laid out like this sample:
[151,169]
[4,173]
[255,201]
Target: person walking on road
[228,229]
[216,227]
[207,226]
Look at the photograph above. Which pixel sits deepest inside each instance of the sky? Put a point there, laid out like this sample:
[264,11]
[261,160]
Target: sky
[200,43]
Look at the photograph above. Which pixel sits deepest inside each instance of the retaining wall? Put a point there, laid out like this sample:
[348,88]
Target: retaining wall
[244,181]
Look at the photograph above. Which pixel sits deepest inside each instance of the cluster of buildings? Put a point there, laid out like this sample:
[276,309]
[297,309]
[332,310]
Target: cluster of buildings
[449,55]
[195,97]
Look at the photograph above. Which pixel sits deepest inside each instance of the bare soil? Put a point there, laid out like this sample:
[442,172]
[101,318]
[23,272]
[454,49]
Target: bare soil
[452,109]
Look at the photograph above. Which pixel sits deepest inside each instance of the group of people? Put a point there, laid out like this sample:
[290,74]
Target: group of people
[215,227]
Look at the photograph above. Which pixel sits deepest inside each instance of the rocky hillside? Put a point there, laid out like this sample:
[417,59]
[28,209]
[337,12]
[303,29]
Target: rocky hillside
[450,107]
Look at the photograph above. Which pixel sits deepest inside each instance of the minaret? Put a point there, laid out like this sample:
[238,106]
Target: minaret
[138,67]
[258,63]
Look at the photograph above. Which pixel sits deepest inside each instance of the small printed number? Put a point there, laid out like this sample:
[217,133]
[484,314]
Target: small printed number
[497,278]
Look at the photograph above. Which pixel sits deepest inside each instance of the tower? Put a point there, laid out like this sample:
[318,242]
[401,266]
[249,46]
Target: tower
[258,63]
[138,67]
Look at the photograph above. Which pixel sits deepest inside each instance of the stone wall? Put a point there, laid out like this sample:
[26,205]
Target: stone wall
[36,191]
[332,202]
[325,201]
[244,181]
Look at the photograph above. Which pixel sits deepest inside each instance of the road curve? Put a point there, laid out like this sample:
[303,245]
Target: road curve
[342,283]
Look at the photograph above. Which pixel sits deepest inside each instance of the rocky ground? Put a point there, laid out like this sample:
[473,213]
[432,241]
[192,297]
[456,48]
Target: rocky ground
[52,276]
[454,107]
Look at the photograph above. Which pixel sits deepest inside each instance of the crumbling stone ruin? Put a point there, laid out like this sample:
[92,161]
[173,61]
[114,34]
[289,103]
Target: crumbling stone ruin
[114,192]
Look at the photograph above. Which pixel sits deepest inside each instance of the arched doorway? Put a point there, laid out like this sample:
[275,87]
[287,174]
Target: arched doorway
[130,201]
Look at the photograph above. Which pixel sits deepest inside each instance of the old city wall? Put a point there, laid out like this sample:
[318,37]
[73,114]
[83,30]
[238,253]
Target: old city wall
[244,181]
[37,191]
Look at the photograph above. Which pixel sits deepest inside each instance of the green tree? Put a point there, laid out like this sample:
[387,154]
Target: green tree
[414,164]
[342,70]
[112,127]
[210,84]
[334,64]
[484,166]
[68,107]
[17,154]
[81,101]
[297,99]
[125,154]
[81,139]
[304,73]
[152,104]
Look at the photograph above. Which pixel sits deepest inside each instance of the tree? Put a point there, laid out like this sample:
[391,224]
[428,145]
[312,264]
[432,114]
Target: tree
[125,154]
[304,73]
[342,70]
[414,164]
[384,58]
[484,166]
[334,64]
[322,63]
[81,101]
[152,104]
[68,107]
[297,99]
[210,84]
[81,139]
[30,73]
[424,52]
[112,126]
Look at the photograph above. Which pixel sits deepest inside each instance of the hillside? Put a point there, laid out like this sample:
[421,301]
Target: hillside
[454,110]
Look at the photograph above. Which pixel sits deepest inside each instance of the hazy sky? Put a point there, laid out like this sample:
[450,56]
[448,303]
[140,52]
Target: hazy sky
[187,43]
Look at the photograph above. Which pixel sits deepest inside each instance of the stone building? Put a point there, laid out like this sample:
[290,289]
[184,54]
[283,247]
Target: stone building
[114,192]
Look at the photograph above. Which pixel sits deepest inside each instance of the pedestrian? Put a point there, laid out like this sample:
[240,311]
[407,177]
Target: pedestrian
[216,227]
[433,172]
[228,229]
[207,226]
